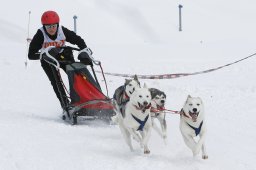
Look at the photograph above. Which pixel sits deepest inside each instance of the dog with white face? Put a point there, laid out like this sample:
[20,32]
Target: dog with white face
[136,122]
[157,111]
[192,125]
[122,94]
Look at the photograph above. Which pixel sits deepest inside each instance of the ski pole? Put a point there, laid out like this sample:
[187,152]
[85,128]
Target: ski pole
[28,40]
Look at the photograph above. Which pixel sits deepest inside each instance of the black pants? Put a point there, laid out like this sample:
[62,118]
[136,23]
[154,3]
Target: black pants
[53,76]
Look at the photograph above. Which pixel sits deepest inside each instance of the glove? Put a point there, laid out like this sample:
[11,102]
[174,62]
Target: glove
[85,56]
[67,55]
[88,51]
[55,52]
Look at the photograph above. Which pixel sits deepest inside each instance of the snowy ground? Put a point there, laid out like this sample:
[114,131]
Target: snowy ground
[133,37]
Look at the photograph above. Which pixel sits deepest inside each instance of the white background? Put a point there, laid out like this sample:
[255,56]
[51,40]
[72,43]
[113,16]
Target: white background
[133,37]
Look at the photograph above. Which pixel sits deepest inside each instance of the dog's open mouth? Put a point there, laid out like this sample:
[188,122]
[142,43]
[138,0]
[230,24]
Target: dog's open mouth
[143,107]
[193,115]
[131,91]
[160,107]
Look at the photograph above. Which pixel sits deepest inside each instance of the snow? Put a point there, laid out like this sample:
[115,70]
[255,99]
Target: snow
[133,37]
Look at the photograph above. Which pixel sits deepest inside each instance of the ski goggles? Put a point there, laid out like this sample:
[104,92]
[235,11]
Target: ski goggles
[51,26]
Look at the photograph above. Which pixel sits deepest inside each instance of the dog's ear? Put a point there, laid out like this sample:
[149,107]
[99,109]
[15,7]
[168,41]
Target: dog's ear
[164,95]
[139,84]
[152,92]
[136,77]
[188,97]
[127,81]
[145,85]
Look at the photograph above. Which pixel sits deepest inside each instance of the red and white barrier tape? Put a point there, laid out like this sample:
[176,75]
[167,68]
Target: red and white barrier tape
[177,75]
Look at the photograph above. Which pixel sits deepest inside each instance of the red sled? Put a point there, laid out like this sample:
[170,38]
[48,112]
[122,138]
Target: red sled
[85,98]
[86,95]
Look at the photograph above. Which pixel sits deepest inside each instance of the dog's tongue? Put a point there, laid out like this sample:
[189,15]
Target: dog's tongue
[193,116]
[160,108]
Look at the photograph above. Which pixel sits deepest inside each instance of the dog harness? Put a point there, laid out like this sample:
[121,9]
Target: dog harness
[142,123]
[197,130]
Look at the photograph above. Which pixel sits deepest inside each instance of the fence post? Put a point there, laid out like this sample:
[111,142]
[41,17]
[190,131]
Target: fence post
[180,24]
[75,18]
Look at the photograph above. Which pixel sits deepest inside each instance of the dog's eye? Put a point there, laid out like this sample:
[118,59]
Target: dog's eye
[130,84]
[140,96]
[147,96]
[198,104]
[190,104]
[157,97]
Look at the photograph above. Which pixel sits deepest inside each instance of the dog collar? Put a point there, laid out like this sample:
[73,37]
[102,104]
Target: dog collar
[142,123]
[183,113]
[126,96]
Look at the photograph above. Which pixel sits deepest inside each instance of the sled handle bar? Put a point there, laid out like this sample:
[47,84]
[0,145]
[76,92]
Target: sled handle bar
[70,48]
[49,58]
[96,62]
[53,61]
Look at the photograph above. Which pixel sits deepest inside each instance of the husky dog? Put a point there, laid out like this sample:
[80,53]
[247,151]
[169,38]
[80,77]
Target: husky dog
[157,111]
[136,121]
[192,124]
[122,94]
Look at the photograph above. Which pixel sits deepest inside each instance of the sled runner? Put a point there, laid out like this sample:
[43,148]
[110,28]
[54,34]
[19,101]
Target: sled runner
[85,98]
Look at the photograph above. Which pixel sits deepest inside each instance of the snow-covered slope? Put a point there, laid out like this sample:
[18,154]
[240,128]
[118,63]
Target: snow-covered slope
[134,37]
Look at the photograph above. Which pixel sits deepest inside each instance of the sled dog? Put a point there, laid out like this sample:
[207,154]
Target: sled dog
[136,121]
[192,124]
[122,94]
[157,111]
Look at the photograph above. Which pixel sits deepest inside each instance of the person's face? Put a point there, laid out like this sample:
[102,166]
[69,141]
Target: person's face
[51,29]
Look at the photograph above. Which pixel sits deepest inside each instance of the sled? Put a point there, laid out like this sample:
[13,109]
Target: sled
[85,97]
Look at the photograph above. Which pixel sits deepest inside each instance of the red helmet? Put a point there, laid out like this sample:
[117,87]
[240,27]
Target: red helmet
[50,17]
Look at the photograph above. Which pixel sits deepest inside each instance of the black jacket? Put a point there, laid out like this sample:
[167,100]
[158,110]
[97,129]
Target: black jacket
[38,40]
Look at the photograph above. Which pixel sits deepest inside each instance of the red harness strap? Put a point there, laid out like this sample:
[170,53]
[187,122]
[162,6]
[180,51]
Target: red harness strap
[159,109]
